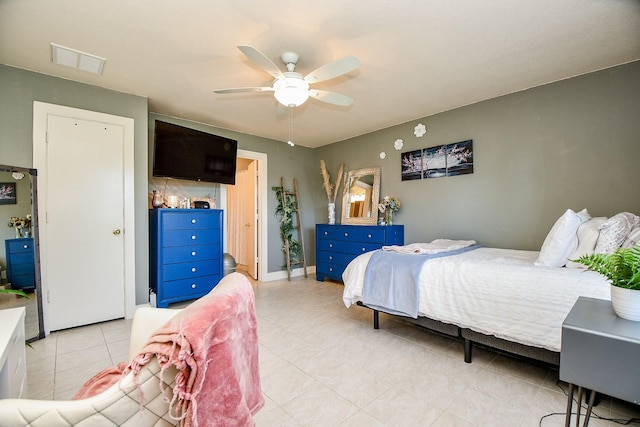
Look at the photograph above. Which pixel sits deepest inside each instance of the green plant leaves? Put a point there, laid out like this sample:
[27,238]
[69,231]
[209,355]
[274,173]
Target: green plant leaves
[284,209]
[621,268]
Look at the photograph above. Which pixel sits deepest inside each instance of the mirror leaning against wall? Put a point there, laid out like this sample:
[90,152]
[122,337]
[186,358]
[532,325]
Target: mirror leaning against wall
[361,196]
[19,255]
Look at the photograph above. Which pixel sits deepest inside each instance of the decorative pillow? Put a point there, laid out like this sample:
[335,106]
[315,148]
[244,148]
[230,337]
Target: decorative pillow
[614,232]
[562,240]
[633,238]
[588,233]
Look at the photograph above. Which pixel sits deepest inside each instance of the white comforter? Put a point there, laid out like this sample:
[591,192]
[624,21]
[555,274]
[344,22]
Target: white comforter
[495,292]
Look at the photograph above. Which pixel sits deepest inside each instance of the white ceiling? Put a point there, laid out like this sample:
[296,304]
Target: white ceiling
[419,57]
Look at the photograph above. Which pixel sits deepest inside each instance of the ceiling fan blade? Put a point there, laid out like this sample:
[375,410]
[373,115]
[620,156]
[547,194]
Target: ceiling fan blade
[331,97]
[333,69]
[261,60]
[244,89]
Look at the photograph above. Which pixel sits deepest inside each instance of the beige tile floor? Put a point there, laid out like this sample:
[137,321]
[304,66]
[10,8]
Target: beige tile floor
[323,365]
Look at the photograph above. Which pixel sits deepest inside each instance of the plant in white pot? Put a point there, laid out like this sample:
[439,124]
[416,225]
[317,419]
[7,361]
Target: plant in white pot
[622,270]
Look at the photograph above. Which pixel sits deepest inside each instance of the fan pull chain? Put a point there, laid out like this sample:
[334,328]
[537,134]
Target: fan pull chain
[290,142]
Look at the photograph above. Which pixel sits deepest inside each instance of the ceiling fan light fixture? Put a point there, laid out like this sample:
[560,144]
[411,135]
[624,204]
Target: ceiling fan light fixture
[291,91]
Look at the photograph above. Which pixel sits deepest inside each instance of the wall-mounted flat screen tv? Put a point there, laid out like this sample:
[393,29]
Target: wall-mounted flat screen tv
[190,154]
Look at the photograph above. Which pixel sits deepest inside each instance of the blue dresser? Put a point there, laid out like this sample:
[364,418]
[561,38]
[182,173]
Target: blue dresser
[185,256]
[21,271]
[337,245]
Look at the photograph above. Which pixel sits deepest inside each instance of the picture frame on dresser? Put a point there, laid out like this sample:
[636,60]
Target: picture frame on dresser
[338,244]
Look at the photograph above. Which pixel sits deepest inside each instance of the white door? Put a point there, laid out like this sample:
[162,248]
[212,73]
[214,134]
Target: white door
[250,218]
[82,240]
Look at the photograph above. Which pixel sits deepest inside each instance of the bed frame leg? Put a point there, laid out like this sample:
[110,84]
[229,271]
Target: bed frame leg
[376,319]
[468,350]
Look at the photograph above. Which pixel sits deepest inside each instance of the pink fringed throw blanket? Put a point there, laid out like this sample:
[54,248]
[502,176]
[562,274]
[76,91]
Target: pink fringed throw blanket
[213,343]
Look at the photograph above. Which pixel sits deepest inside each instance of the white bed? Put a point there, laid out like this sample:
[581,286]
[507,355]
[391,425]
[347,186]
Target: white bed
[496,292]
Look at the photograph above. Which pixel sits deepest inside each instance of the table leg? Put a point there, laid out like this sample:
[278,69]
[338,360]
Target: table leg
[567,420]
[580,390]
[592,398]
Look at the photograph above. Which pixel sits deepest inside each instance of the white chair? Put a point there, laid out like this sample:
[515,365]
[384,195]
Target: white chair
[131,401]
[118,405]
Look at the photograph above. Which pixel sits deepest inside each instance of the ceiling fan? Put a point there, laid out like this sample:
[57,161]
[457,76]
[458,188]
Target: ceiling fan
[292,89]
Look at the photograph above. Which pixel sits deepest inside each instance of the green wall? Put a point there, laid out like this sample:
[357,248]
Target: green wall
[569,144]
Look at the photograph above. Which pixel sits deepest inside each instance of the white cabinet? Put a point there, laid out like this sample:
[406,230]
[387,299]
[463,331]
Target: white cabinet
[13,370]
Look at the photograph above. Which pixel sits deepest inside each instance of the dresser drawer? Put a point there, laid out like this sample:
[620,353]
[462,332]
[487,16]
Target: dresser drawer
[358,248]
[175,254]
[332,245]
[330,270]
[333,258]
[18,259]
[186,287]
[190,269]
[189,237]
[371,234]
[16,246]
[195,220]
[335,232]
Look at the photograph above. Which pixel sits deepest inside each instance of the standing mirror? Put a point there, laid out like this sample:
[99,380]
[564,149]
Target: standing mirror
[19,253]
[360,200]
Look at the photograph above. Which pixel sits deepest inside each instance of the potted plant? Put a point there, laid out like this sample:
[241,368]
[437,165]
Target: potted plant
[622,270]
[14,291]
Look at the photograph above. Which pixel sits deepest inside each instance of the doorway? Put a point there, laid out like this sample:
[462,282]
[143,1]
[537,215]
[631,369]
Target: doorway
[85,161]
[246,210]
[242,222]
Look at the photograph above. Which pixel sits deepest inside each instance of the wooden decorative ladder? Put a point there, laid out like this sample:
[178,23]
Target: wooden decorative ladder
[297,226]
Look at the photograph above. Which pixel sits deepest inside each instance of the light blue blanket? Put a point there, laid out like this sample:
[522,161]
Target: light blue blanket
[391,280]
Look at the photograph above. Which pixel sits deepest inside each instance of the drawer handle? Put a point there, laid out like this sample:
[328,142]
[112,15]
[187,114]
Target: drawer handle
[25,247]
[193,237]
[330,268]
[193,286]
[364,249]
[326,233]
[193,221]
[193,253]
[193,269]
[330,257]
[369,235]
[330,245]
[346,234]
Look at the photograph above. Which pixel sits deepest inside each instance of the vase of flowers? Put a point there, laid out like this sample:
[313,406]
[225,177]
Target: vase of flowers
[331,190]
[21,225]
[622,269]
[388,207]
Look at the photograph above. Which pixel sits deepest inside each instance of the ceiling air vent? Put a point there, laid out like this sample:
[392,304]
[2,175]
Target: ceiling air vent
[75,59]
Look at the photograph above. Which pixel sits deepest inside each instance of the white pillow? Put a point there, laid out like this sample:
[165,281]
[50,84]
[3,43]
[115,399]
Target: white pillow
[633,238]
[588,233]
[562,239]
[614,231]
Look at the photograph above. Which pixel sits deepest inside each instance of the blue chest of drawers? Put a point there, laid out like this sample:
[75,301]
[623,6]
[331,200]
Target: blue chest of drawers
[337,245]
[21,271]
[185,253]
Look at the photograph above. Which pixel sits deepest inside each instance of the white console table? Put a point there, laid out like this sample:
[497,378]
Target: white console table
[13,369]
